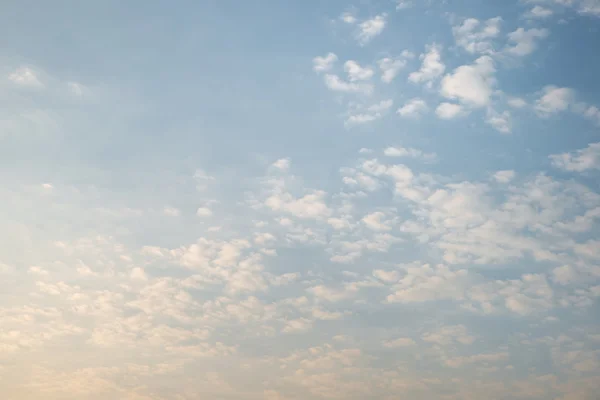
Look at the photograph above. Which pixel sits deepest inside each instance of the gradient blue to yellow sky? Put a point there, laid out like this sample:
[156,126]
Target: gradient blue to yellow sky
[300,200]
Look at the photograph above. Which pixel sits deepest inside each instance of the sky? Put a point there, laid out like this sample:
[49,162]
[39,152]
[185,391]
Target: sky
[300,200]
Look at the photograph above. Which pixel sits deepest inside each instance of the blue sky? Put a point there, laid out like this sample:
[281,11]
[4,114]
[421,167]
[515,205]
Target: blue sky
[300,200]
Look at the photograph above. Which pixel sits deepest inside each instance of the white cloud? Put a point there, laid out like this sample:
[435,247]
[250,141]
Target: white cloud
[554,100]
[504,176]
[403,4]
[564,275]
[370,28]
[356,72]
[333,295]
[171,212]
[138,274]
[386,276]
[525,41]
[448,335]
[310,206]
[591,7]
[26,76]
[579,160]
[593,113]
[449,110]
[297,325]
[428,283]
[539,12]
[321,64]
[348,17]
[471,84]
[77,88]
[204,212]
[475,37]
[35,270]
[456,362]
[398,151]
[333,82]
[374,222]
[499,121]
[283,164]
[399,342]
[390,68]
[516,102]
[413,108]
[431,67]
[372,113]
[203,180]
[585,7]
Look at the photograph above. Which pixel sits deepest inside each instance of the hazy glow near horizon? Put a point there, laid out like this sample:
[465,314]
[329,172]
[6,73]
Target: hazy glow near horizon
[381,199]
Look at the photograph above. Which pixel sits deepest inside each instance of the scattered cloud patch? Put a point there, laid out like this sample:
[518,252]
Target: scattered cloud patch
[579,160]
[371,28]
[471,84]
[449,111]
[504,176]
[554,100]
[475,36]
[26,76]
[335,83]
[204,212]
[390,67]
[371,113]
[432,66]
[323,64]
[539,12]
[524,42]
[356,72]
[413,108]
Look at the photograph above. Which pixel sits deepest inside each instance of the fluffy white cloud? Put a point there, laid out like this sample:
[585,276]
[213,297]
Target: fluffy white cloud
[593,113]
[516,102]
[311,205]
[325,63]
[371,113]
[449,110]
[524,42]
[370,28]
[375,222]
[428,283]
[539,12]
[283,164]
[413,108]
[504,176]
[348,17]
[171,212]
[25,76]
[333,82]
[471,84]
[204,212]
[499,121]
[138,274]
[403,4]
[554,100]
[297,325]
[431,66]
[390,68]
[356,72]
[475,37]
[579,160]
[448,335]
[398,151]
